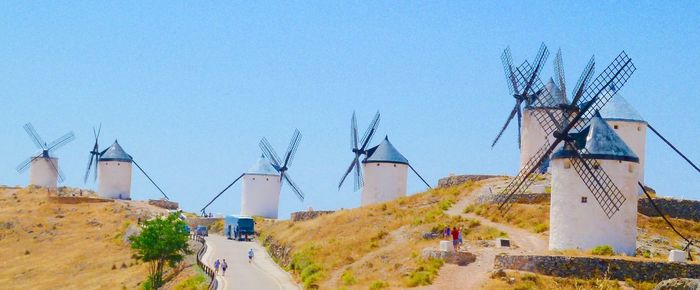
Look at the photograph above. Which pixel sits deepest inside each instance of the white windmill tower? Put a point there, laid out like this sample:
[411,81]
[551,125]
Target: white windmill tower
[594,164]
[575,220]
[44,170]
[112,170]
[385,168]
[262,183]
[629,125]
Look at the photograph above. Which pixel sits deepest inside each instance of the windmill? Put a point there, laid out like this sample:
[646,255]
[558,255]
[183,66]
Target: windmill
[569,129]
[359,148]
[262,183]
[384,167]
[112,170]
[44,171]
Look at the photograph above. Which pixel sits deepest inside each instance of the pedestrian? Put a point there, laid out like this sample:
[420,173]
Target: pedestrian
[250,255]
[455,237]
[447,232]
[224,266]
[459,239]
[216,266]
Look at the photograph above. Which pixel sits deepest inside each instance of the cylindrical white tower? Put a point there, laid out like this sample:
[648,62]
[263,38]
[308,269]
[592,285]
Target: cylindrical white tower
[114,173]
[43,173]
[629,125]
[385,173]
[577,220]
[260,193]
[532,135]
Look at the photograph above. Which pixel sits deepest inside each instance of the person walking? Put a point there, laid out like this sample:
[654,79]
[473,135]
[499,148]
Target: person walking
[224,266]
[250,255]
[446,234]
[459,239]
[216,266]
[455,237]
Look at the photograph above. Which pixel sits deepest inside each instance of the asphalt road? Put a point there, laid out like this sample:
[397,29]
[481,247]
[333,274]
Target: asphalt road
[262,273]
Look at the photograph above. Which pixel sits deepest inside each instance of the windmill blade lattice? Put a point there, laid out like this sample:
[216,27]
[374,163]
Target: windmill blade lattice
[34,136]
[271,154]
[359,151]
[596,95]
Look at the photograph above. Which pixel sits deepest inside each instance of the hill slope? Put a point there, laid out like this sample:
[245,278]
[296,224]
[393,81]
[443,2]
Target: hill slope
[49,245]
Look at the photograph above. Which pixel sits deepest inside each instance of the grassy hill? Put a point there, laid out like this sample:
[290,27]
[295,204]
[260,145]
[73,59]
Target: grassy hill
[50,245]
[372,247]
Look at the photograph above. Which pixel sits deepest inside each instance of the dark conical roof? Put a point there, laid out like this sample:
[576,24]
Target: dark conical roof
[115,153]
[385,152]
[601,142]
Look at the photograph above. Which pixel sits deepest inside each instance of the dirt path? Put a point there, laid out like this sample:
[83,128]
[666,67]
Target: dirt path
[474,275]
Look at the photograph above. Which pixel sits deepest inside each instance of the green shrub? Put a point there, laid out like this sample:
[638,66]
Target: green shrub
[539,228]
[302,263]
[348,278]
[426,271]
[196,282]
[603,250]
[378,284]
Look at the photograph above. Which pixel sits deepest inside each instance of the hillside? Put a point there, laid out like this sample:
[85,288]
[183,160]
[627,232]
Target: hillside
[379,246]
[51,245]
[376,246]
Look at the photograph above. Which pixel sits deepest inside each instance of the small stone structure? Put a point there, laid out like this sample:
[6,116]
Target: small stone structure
[309,214]
[679,284]
[593,267]
[461,258]
[677,256]
[162,203]
[460,179]
[677,208]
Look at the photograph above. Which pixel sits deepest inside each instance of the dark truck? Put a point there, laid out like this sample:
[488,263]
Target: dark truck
[239,227]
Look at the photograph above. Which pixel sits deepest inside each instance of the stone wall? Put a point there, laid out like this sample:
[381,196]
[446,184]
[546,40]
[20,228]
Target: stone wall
[592,267]
[309,214]
[677,208]
[282,254]
[460,179]
[162,203]
[517,198]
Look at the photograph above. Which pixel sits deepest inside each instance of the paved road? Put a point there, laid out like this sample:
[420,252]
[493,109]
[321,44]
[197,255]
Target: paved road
[262,273]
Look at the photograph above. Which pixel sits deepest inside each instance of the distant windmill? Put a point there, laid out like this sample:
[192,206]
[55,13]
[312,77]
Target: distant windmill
[44,171]
[386,169]
[587,143]
[530,133]
[262,183]
[112,170]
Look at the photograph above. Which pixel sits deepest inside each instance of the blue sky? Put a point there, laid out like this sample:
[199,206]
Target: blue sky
[189,89]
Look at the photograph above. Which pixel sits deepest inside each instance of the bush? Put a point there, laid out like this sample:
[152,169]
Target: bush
[348,278]
[302,263]
[426,271]
[196,282]
[539,228]
[378,284]
[604,250]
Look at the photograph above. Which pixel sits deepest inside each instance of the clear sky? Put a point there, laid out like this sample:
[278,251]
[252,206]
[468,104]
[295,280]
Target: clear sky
[189,89]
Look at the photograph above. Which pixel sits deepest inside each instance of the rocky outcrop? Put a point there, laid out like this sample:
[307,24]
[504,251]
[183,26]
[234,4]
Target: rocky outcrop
[679,284]
[460,179]
[281,253]
[162,203]
[677,208]
[592,267]
[461,258]
[309,214]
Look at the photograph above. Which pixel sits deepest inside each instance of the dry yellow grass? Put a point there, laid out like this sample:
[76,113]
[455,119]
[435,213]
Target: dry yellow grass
[532,217]
[374,245]
[45,245]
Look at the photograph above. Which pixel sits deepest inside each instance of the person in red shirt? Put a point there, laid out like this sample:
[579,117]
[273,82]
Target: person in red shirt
[455,237]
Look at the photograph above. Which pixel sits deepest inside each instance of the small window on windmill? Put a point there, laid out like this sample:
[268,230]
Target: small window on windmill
[377,164]
[567,164]
[616,127]
[267,179]
[394,165]
[584,199]
[639,128]
[630,168]
[253,178]
[596,164]
[117,163]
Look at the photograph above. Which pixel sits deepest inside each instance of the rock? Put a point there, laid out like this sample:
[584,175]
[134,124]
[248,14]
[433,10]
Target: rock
[679,284]
[461,258]
[166,204]
[93,222]
[497,273]
[132,230]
